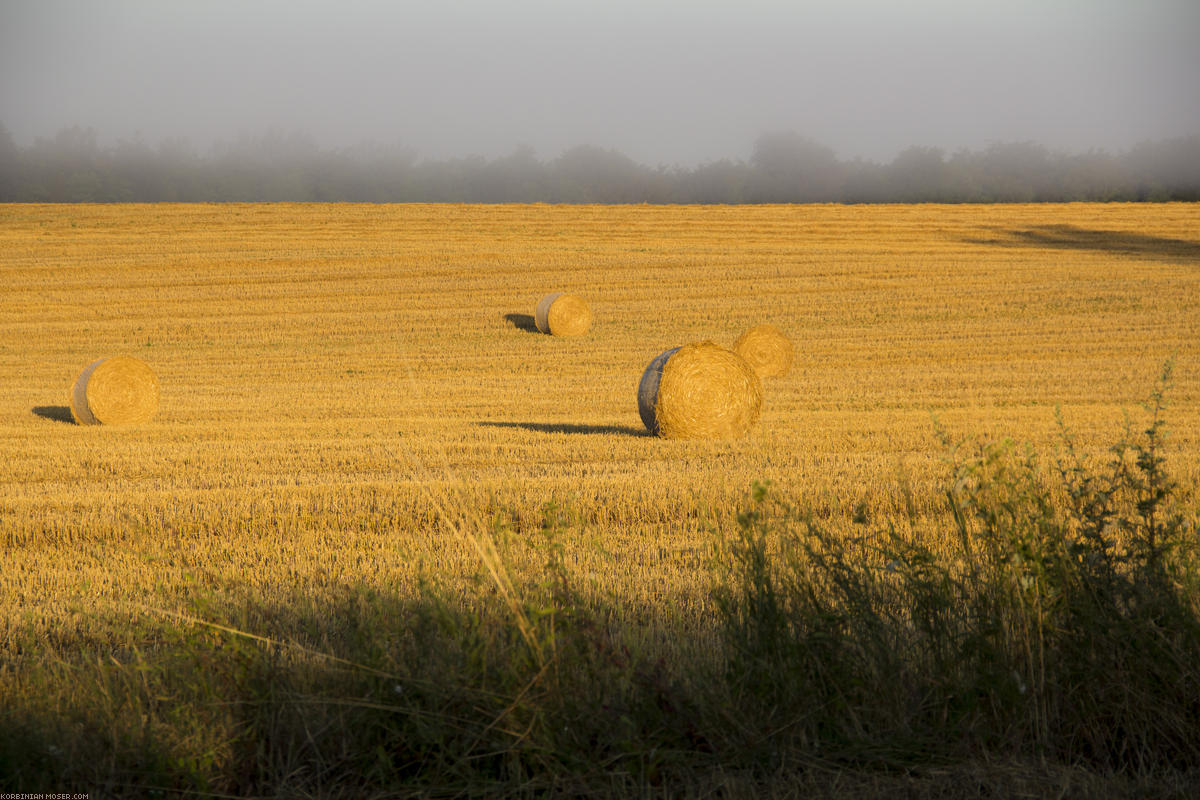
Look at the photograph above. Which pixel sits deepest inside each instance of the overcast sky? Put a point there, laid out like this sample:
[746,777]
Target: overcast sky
[663,81]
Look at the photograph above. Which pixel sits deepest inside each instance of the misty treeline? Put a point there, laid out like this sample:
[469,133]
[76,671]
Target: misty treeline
[783,168]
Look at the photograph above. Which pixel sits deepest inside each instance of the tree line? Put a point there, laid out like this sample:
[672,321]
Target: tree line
[783,167]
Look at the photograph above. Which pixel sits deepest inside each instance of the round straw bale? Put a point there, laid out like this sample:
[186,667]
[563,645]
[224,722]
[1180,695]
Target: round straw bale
[766,349]
[562,315]
[115,391]
[699,391]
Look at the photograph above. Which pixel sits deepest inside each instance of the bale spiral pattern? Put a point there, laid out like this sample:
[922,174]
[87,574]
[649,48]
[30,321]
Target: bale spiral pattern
[114,391]
[699,391]
[766,349]
[562,314]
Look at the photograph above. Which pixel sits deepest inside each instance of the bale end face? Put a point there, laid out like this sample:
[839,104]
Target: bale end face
[648,389]
[766,349]
[562,314]
[700,391]
[115,391]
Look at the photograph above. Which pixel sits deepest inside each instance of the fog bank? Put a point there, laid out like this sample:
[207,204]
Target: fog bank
[783,167]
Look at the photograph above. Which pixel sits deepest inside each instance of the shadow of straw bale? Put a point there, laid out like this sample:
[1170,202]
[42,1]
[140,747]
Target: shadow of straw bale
[523,322]
[1069,237]
[56,413]
[566,427]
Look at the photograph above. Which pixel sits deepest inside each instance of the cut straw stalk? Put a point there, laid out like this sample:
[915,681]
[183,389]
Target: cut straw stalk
[699,391]
[114,391]
[560,314]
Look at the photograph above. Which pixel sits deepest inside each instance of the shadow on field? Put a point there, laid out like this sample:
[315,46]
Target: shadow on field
[565,427]
[522,322]
[362,691]
[850,656]
[56,413]
[368,692]
[1069,237]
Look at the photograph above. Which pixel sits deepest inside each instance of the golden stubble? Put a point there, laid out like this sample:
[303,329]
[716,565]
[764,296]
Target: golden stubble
[333,377]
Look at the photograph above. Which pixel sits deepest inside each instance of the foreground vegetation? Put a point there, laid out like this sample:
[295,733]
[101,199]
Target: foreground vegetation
[366,458]
[1060,639]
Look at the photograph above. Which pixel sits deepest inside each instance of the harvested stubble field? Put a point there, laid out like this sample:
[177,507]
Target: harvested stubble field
[342,386]
[328,372]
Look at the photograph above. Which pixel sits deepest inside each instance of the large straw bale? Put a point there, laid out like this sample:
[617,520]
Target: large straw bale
[562,314]
[699,391]
[115,391]
[766,349]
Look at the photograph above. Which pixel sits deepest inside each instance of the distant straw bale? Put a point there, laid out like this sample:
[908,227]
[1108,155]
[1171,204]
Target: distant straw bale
[115,391]
[699,391]
[562,314]
[766,349]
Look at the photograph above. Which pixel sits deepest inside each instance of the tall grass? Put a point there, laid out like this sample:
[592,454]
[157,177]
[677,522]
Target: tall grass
[1060,629]
[1063,625]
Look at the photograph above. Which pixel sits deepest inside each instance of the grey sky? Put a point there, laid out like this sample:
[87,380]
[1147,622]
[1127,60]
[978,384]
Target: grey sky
[664,81]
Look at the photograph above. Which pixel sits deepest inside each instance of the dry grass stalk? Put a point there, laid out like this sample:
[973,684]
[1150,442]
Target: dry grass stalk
[766,349]
[699,391]
[115,391]
[562,314]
